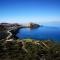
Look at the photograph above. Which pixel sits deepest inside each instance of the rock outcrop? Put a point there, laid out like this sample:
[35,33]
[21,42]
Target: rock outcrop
[33,25]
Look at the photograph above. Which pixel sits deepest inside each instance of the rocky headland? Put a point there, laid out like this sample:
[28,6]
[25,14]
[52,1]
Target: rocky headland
[9,30]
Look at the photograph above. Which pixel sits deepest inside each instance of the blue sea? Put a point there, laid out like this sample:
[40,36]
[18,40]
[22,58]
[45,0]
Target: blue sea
[41,33]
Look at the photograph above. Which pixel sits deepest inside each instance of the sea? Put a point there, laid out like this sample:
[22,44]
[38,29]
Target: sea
[40,33]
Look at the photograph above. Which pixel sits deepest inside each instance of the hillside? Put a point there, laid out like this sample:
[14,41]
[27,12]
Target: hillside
[28,49]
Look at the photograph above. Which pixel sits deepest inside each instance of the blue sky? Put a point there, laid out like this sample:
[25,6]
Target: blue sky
[23,11]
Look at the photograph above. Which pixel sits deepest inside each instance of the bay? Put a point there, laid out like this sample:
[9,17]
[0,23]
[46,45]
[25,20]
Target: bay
[41,33]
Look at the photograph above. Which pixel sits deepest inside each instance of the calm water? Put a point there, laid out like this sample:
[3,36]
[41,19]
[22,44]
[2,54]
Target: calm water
[44,33]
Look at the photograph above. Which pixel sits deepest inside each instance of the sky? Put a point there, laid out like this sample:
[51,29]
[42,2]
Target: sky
[24,11]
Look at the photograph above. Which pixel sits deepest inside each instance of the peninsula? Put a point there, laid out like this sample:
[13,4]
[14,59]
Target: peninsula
[9,29]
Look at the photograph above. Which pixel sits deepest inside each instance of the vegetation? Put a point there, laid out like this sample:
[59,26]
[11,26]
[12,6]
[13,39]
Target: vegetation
[28,49]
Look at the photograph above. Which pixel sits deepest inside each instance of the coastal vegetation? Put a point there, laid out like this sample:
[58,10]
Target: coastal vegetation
[29,49]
